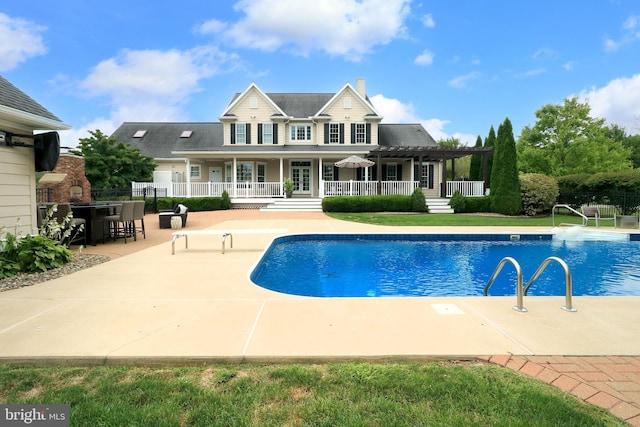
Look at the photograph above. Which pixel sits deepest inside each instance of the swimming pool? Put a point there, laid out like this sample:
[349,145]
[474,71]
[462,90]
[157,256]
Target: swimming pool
[377,265]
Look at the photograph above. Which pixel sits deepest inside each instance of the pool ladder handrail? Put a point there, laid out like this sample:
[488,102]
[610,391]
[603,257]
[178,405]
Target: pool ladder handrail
[519,288]
[567,279]
[521,291]
[585,219]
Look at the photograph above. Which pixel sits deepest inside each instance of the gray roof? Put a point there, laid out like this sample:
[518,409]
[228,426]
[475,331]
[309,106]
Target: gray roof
[300,105]
[404,135]
[162,138]
[12,97]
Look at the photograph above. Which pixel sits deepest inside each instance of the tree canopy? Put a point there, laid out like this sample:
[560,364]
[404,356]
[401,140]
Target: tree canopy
[111,164]
[565,139]
[505,183]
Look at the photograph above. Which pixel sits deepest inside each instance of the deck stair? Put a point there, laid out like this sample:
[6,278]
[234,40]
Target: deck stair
[294,205]
[439,206]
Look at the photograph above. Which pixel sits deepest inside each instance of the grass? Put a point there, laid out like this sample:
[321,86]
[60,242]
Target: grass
[458,220]
[349,394]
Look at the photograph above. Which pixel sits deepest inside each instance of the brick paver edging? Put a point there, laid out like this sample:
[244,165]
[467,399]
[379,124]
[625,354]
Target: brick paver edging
[610,382]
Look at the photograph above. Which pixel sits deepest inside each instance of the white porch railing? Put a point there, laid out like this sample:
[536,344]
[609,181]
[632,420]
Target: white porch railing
[466,188]
[275,189]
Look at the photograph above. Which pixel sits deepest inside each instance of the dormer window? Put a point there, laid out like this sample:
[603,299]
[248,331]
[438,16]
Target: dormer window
[139,133]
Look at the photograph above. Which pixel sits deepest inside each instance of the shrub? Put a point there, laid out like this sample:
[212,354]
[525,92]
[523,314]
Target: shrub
[391,203]
[225,202]
[418,201]
[38,254]
[195,204]
[458,202]
[572,183]
[539,193]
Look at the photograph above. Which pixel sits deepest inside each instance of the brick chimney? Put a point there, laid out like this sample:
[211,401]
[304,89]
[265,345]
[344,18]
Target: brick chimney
[67,182]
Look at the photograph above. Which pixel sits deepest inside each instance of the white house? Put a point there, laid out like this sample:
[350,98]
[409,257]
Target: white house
[262,138]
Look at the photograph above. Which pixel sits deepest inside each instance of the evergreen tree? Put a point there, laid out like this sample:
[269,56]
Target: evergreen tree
[490,141]
[475,170]
[505,183]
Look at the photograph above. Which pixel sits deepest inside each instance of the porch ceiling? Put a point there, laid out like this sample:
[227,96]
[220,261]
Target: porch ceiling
[427,153]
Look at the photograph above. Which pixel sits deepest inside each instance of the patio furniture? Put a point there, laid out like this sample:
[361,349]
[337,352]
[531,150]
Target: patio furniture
[122,225]
[138,215]
[593,212]
[94,214]
[179,210]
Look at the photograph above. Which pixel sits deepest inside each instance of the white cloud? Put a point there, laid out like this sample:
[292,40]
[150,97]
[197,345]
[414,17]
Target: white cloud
[21,40]
[630,34]
[348,28]
[531,73]
[147,85]
[425,58]
[569,65]
[618,102]
[395,111]
[461,82]
[427,21]
[212,26]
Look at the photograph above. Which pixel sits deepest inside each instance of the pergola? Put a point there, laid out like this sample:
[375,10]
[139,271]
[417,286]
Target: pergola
[422,154]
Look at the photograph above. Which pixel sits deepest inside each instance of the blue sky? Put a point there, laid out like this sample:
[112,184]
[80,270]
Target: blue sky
[457,67]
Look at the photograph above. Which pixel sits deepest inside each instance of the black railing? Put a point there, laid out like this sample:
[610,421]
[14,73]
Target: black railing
[609,204]
[149,194]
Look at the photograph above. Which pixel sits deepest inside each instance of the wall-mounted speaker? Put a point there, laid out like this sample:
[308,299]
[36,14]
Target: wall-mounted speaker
[46,149]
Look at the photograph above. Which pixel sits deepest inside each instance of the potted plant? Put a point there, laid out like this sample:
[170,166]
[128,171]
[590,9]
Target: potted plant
[288,187]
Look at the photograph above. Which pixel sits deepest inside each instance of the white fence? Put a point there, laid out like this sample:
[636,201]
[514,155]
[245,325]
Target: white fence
[275,189]
[466,188]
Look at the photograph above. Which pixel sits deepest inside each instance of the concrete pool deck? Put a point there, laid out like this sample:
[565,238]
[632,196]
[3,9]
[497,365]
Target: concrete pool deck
[149,307]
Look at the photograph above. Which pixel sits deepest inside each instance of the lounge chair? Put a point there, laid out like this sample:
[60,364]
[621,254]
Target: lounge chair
[593,212]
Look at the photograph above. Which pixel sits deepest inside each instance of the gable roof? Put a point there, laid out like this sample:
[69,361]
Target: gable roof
[24,110]
[161,138]
[404,135]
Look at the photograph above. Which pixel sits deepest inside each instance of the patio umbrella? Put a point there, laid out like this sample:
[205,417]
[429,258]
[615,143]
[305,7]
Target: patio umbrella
[354,162]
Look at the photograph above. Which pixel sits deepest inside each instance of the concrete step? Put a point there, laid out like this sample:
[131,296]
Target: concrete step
[438,205]
[294,205]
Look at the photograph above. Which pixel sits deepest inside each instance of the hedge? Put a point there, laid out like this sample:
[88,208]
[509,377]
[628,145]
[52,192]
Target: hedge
[351,204]
[195,204]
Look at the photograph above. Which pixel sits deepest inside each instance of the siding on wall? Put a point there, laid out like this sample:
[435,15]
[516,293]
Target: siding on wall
[17,189]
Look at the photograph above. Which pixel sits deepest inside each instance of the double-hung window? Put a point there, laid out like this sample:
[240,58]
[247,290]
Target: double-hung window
[195,171]
[301,132]
[241,133]
[361,133]
[267,133]
[392,172]
[334,133]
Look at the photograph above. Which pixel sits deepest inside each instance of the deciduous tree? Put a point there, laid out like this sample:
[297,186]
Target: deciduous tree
[111,164]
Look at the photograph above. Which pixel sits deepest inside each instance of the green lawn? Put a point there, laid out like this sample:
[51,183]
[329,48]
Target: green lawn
[349,394]
[459,220]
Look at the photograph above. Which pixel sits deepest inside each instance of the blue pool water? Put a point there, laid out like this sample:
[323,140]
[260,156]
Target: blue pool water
[377,265]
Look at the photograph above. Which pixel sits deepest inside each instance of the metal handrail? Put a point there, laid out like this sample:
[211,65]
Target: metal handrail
[585,219]
[567,277]
[519,289]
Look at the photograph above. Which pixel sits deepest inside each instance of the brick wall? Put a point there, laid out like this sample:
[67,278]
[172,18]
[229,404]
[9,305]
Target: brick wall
[74,187]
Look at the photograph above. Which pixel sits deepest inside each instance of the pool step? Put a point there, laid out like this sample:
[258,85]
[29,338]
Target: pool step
[439,206]
[294,205]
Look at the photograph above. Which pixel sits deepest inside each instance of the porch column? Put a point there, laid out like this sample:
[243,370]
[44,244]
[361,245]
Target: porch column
[320,179]
[281,177]
[443,185]
[188,177]
[453,169]
[235,177]
[379,173]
